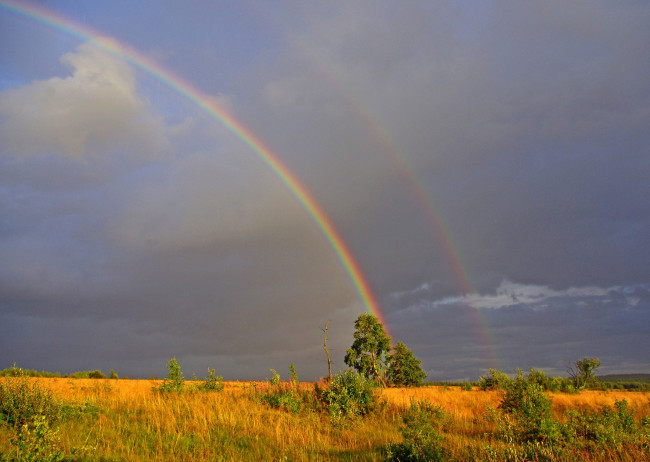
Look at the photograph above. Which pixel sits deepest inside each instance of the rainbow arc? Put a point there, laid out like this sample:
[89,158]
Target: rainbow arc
[206,103]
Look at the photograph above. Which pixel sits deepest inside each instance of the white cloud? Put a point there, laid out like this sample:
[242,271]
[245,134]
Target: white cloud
[424,287]
[510,293]
[94,111]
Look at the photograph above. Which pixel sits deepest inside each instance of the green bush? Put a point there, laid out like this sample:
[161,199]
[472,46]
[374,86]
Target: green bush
[284,395]
[22,400]
[212,382]
[422,440]
[530,407]
[96,374]
[494,380]
[174,382]
[610,427]
[37,442]
[348,395]
[539,377]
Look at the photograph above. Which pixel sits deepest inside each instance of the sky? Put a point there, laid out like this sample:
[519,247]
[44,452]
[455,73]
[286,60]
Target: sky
[486,164]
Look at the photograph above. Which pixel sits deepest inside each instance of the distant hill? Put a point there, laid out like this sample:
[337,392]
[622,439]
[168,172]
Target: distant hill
[642,378]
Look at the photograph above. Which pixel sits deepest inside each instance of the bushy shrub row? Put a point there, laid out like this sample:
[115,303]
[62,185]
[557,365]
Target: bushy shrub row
[17,372]
[525,419]
[497,379]
[348,396]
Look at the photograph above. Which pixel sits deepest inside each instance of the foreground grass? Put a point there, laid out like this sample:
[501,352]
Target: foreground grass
[126,420]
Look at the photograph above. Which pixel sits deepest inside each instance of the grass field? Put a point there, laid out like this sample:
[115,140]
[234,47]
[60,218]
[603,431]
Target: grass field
[113,420]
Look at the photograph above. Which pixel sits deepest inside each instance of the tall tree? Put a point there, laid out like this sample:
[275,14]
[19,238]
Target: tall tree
[370,347]
[404,368]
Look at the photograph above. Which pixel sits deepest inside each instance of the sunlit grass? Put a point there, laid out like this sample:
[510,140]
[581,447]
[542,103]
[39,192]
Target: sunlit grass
[127,420]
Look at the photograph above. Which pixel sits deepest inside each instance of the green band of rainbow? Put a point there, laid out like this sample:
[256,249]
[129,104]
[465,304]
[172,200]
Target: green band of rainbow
[185,89]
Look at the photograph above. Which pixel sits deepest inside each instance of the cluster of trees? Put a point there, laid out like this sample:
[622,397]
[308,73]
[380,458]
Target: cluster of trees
[372,356]
[632,382]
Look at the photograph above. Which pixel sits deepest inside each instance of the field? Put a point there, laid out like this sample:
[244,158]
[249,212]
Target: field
[126,420]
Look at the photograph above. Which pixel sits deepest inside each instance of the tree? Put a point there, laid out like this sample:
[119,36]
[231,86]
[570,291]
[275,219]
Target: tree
[404,368]
[583,372]
[370,347]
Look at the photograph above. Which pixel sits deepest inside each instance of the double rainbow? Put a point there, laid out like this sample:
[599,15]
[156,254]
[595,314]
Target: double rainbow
[204,102]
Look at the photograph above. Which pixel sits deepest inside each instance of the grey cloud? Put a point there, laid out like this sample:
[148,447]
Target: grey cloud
[94,110]
[529,326]
[503,142]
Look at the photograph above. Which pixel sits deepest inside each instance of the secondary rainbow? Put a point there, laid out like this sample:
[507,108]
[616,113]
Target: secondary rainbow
[207,104]
[442,234]
[437,224]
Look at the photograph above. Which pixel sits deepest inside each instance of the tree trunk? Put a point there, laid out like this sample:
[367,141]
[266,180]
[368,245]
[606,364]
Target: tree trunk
[329,361]
[374,367]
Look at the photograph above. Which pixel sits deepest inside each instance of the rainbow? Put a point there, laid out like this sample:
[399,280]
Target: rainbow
[441,232]
[204,102]
[440,229]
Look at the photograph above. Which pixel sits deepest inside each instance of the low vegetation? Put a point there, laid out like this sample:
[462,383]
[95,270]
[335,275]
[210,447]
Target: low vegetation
[352,416]
[349,418]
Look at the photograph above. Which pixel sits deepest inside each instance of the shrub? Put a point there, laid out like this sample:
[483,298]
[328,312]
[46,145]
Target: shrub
[422,441]
[348,395]
[284,395]
[37,442]
[174,382]
[555,384]
[212,382]
[539,377]
[293,374]
[609,427]
[22,400]
[494,380]
[96,374]
[526,401]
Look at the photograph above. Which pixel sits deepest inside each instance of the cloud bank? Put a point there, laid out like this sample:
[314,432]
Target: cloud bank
[487,166]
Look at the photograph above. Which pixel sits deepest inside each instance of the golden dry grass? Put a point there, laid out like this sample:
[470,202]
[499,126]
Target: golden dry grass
[131,422]
[469,404]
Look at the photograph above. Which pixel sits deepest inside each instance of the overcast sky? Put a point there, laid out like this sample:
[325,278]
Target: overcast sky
[486,163]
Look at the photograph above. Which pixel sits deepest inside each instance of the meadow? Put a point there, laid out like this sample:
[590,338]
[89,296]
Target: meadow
[127,420]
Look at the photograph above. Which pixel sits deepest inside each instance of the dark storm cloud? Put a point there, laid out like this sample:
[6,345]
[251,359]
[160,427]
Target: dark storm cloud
[135,228]
[527,326]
